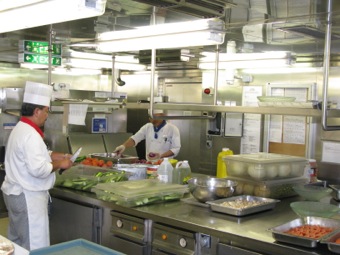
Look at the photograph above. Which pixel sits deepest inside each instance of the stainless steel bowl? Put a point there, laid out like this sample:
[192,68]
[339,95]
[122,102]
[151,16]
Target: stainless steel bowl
[210,188]
[125,159]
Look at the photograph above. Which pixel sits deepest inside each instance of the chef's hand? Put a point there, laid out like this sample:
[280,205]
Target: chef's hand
[119,150]
[153,156]
[66,163]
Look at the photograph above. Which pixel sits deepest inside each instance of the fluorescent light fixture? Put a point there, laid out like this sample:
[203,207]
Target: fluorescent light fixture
[290,70]
[247,60]
[16,15]
[247,64]
[99,64]
[210,56]
[33,66]
[6,5]
[76,71]
[95,56]
[172,35]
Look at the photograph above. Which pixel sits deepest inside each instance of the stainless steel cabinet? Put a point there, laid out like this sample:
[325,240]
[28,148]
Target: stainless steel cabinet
[170,240]
[228,249]
[70,220]
[130,234]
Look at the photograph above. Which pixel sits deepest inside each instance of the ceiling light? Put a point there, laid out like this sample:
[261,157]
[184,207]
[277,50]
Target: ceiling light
[247,60]
[99,64]
[6,5]
[172,35]
[76,71]
[105,57]
[17,14]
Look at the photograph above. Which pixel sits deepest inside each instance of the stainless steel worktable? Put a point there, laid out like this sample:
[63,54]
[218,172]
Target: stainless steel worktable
[247,232]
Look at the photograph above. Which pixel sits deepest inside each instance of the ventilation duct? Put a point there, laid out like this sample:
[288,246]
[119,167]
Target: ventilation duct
[198,8]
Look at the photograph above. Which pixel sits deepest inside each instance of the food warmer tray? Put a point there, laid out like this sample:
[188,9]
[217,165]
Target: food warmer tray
[330,241]
[279,235]
[246,205]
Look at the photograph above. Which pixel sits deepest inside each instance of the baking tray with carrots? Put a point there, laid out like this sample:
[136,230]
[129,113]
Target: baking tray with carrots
[319,229]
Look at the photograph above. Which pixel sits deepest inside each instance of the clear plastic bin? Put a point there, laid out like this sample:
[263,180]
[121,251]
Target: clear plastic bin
[139,192]
[269,189]
[83,177]
[265,166]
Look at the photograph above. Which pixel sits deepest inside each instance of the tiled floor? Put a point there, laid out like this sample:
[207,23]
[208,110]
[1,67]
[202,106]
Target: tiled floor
[3,226]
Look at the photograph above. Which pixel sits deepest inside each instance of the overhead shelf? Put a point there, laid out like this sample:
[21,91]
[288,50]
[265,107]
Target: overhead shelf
[308,112]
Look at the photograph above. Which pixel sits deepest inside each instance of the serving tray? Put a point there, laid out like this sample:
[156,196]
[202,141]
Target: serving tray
[279,234]
[242,205]
[330,241]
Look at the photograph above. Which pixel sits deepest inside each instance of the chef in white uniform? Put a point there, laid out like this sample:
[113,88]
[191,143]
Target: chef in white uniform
[30,168]
[162,139]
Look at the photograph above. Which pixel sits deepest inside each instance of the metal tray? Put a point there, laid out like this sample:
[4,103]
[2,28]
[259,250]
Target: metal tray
[336,192]
[266,204]
[330,241]
[279,235]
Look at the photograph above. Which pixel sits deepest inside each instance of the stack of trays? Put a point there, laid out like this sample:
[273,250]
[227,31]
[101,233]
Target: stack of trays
[266,175]
[275,189]
[265,166]
[139,192]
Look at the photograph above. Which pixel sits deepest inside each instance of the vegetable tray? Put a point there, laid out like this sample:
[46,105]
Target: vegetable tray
[139,192]
[82,177]
[279,232]
[242,205]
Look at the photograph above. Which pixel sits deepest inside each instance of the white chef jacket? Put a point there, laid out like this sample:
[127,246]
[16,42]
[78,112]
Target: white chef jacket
[28,166]
[168,139]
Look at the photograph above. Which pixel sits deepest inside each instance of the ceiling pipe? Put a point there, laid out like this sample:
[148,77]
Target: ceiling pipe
[51,35]
[152,86]
[113,78]
[326,65]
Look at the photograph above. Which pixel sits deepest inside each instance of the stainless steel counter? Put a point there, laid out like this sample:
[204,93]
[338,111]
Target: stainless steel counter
[247,232]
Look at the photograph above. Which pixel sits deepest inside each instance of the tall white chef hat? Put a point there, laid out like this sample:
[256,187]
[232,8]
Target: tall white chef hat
[37,93]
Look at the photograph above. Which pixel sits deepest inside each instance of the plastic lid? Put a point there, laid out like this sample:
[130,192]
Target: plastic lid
[225,149]
[312,160]
[166,159]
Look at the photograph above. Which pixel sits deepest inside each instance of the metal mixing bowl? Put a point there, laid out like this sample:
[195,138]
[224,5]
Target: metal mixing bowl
[210,188]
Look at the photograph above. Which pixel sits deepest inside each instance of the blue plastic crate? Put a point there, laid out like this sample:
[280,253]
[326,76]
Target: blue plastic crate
[75,247]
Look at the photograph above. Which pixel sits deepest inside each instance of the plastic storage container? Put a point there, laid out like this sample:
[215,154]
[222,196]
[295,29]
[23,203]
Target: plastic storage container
[78,246]
[83,177]
[164,171]
[181,173]
[269,189]
[139,192]
[265,166]
[221,171]
[137,171]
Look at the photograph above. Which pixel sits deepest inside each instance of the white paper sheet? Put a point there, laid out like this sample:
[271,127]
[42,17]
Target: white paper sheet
[275,129]
[77,114]
[250,141]
[330,152]
[294,129]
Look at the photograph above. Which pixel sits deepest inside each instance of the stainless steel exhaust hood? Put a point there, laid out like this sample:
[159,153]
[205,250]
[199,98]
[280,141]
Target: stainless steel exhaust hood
[11,100]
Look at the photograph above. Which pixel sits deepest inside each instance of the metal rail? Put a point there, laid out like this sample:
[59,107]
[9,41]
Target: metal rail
[326,64]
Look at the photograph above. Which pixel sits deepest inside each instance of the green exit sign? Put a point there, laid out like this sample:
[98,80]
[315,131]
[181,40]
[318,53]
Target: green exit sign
[41,47]
[39,59]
